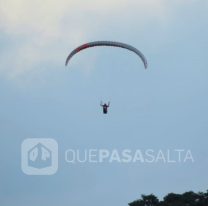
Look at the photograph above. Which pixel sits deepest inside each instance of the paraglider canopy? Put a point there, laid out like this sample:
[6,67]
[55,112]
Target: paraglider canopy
[107,43]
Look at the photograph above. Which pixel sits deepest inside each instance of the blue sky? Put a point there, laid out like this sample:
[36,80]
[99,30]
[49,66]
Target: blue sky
[161,108]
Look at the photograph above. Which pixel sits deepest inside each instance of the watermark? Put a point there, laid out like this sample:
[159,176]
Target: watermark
[126,156]
[39,156]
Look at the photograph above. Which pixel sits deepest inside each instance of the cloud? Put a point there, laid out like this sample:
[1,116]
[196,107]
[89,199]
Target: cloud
[44,32]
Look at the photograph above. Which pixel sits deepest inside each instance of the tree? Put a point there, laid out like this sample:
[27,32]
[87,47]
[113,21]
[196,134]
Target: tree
[146,200]
[186,199]
[172,198]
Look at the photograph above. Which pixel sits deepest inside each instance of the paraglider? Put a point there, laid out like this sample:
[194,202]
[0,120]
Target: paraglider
[107,43]
[105,107]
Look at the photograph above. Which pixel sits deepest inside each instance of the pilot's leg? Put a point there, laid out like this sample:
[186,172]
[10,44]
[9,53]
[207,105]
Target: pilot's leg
[104,110]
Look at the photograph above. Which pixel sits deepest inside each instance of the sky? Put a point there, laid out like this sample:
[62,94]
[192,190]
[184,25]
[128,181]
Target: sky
[161,108]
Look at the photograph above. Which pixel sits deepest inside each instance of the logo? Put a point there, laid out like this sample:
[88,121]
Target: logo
[39,156]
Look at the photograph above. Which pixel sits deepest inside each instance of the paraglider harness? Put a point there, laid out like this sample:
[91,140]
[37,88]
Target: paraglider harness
[105,106]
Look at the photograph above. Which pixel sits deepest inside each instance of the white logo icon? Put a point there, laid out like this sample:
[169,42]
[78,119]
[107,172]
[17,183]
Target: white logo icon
[39,156]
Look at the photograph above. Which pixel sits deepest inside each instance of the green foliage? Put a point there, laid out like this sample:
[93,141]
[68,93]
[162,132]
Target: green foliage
[186,199]
[147,200]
